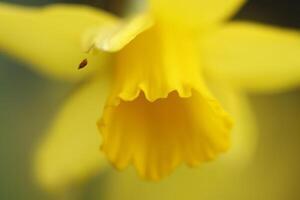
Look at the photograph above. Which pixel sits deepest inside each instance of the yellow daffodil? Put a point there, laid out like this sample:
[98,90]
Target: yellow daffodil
[149,79]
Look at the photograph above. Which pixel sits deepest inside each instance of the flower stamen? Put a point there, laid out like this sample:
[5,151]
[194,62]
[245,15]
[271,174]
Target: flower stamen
[83,64]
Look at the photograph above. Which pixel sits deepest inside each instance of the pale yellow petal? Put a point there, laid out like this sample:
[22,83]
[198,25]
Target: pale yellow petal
[195,13]
[245,133]
[50,38]
[254,57]
[69,152]
[119,35]
[160,113]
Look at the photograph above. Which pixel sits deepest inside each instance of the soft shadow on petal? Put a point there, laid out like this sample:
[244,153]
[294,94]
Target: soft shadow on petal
[254,57]
[69,152]
[50,38]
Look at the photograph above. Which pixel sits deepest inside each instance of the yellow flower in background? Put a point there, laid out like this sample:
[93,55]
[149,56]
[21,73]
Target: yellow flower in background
[150,77]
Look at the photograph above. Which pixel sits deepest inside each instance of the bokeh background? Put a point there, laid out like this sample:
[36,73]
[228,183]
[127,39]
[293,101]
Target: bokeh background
[28,103]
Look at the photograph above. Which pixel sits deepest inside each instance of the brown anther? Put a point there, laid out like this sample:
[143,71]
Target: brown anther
[83,64]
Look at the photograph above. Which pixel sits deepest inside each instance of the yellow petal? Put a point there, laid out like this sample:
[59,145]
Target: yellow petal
[199,183]
[50,38]
[195,13]
[119,35]
[254,57]
[160,113]
[244,133]
[69,153]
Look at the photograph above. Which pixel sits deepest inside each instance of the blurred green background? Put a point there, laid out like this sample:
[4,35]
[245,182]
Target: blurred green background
[28,103]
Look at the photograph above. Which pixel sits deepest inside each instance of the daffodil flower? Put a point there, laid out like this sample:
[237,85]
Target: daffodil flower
[152,83]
